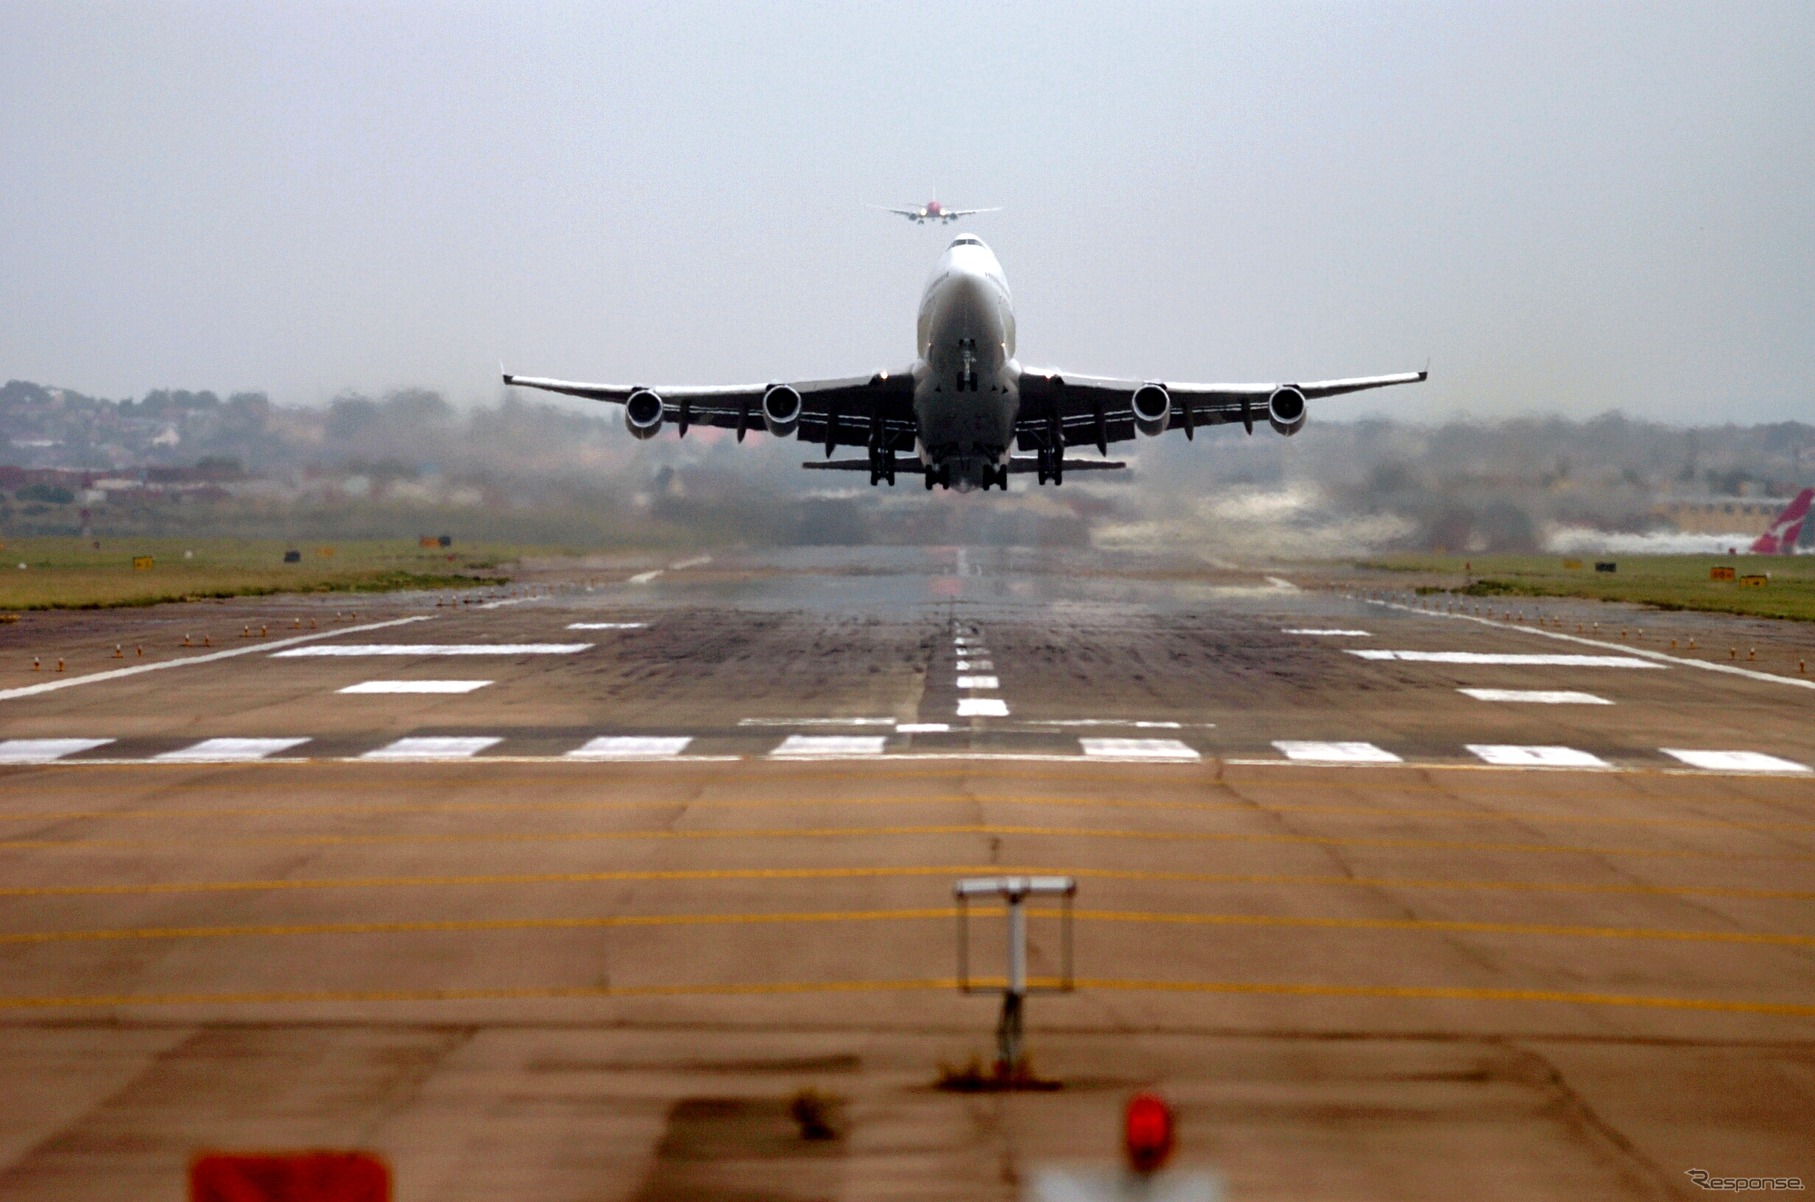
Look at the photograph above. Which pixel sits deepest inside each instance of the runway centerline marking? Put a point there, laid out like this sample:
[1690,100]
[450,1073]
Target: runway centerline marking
[1679,661]
[1536,696]
[229,751]
[607,625]
[51,686]
[1334,753]
[44,751]
[1507,658]
[1329,633]
[414,686]
[433,747]
[979,682]
[1734,761]
[359,650]
[982,707]
[1536,757]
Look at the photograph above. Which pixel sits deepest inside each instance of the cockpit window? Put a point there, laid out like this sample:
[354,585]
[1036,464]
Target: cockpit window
[966,240]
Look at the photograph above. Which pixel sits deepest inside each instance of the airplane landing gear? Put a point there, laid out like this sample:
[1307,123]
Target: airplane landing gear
[1051,466]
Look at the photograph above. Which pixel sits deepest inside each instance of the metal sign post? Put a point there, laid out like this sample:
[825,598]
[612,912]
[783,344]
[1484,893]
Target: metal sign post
[1014,892]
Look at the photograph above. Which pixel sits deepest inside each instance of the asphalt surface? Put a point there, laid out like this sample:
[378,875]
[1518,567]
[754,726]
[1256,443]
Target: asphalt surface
[583,930]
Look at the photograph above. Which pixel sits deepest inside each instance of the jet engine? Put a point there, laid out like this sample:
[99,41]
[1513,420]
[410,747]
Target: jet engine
[781,410]
[643,414]
[1152,406]
[1286,410]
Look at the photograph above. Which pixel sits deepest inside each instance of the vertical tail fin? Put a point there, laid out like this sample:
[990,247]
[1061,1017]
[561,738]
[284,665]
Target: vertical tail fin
[1780,537]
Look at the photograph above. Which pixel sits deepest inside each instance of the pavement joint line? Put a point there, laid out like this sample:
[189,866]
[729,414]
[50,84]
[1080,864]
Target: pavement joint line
[646,875]
[921,985]
[672,835]
[765,771]
[910,914]
[50,686]
[1681,661]
[1232,806]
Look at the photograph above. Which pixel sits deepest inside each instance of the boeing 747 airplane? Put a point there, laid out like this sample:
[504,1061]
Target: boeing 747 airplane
[965,405]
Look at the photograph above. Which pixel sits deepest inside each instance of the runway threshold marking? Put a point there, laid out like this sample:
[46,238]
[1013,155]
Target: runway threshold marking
[612,876]
[51,686]
[912,914]
[919,985]
[1059,832]
[1678,660]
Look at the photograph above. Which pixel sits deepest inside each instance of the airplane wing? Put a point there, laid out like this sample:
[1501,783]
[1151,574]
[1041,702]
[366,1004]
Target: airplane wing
[857,411]
[954,214]
[913,213]
[1068,410]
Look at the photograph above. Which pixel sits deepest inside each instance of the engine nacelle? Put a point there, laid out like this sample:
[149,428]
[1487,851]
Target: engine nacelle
[1286,410]
[1152,407]
[781,410]
[643,414]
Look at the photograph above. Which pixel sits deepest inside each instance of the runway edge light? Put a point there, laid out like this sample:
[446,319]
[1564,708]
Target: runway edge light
[1147,1132]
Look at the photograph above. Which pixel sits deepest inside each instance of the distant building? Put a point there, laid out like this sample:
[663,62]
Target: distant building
[1720,515]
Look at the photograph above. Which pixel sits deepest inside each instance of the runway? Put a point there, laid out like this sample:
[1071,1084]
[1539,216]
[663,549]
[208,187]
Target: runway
[562,891]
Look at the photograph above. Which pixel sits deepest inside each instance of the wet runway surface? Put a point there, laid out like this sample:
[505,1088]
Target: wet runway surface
[564,891]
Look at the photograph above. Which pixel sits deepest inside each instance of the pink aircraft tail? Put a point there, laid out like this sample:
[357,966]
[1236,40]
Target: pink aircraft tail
[1780,538]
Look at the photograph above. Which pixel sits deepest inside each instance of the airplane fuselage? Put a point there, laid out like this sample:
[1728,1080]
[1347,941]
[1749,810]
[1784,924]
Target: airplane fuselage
[965,379]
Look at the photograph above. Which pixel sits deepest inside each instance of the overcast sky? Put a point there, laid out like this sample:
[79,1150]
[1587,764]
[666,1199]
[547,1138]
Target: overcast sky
[1564,207]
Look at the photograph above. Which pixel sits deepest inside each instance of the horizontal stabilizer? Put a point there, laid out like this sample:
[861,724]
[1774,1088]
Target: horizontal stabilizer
[903,463]
[1030,463]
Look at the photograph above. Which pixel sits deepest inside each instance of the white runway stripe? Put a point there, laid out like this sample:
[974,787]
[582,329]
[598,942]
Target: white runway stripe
[1495,657]
[606,625]
[923,728]
[630,747]
[354,650]
[982,707]
[1516,756]
[1138,749]
[43,751]
[51,686]
[813,745]
[230,751]
[1536,696]
[432,748]
[1129,722]
[975,665]
[979,682]
[415,686]
[1733,761]
[1335,753]
[1335,634]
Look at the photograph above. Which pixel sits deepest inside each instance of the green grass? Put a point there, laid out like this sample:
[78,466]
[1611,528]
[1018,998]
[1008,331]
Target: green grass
[1660,581]
[72,573]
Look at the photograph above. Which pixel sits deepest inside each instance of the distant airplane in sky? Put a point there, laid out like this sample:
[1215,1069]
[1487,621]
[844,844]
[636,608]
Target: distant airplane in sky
[1780,536]
[935,212]
[965,403]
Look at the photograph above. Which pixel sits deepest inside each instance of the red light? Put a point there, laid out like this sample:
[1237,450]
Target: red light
[298,1177]
[1147,1132]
